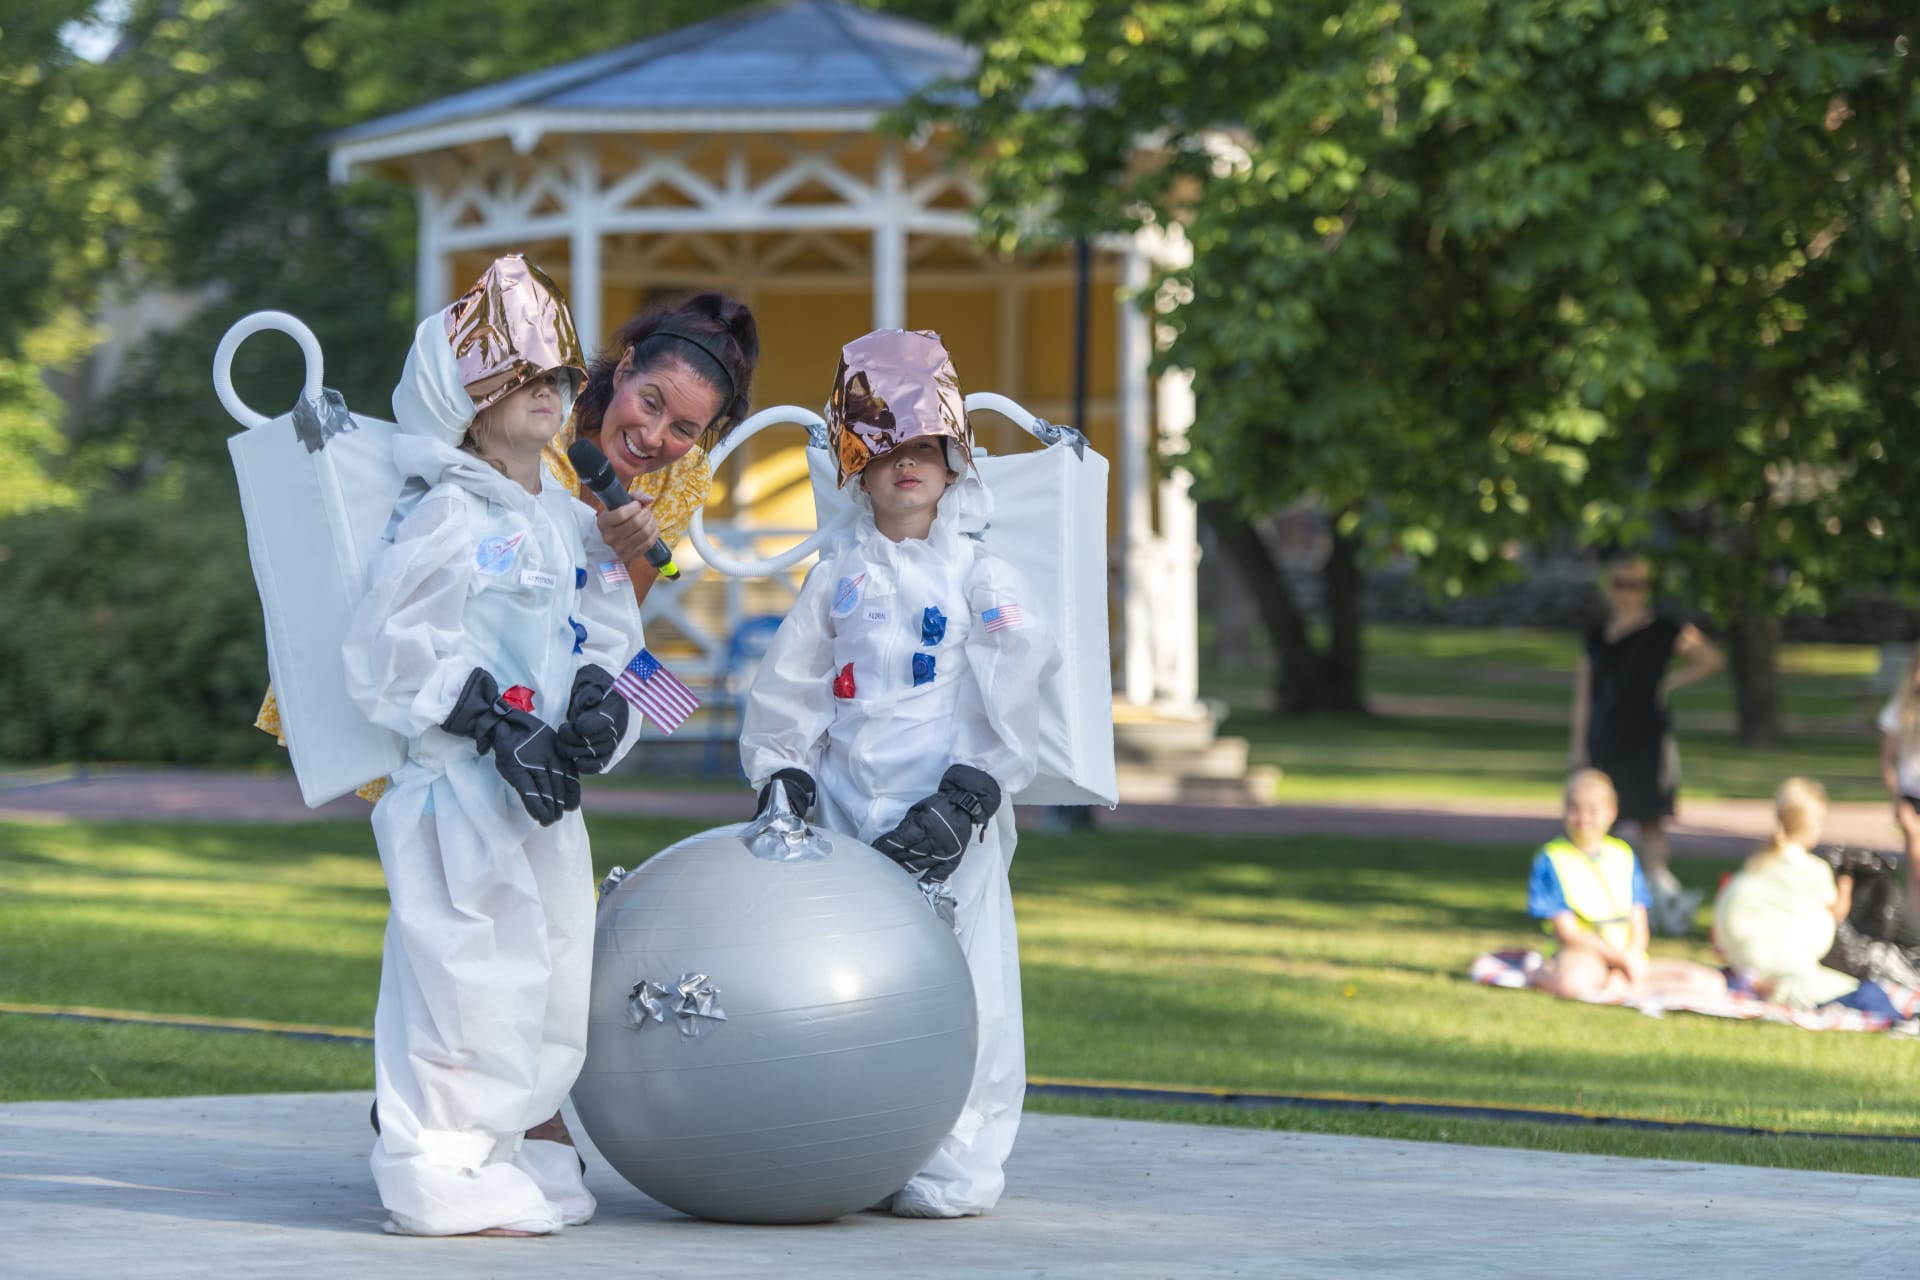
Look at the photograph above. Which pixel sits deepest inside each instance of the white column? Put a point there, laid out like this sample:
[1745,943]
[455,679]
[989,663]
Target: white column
[1176,588]
[890,243]
[1136,494]
[1010,338]
[583,200]
[430,285]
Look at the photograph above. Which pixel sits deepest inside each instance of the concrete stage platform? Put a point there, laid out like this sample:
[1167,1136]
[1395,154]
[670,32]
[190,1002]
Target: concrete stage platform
[212,1188]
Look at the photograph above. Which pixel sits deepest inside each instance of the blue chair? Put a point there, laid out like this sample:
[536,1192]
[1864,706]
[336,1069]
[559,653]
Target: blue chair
[727,699]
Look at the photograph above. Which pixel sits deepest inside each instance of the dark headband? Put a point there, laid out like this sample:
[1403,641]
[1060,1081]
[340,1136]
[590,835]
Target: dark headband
[664,332]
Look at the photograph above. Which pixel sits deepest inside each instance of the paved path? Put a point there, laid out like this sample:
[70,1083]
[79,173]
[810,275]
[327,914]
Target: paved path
[219,1188]
[1527,711]
[1709,828]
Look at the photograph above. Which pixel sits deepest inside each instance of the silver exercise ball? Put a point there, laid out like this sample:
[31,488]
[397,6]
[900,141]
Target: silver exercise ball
[773,1039]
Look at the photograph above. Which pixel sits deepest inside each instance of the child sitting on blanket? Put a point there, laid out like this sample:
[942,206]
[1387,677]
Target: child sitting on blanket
[1776,917]
[1588,892]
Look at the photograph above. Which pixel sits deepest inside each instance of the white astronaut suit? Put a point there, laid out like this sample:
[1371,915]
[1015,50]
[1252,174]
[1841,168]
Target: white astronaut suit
[482,1018]
[879,737]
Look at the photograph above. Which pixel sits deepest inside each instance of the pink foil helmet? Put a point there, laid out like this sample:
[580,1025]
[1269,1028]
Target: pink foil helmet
[511,327]
[895,385]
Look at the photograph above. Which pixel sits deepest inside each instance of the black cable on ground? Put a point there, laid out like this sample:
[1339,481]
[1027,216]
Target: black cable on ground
[1063,1089]
[1444,1110]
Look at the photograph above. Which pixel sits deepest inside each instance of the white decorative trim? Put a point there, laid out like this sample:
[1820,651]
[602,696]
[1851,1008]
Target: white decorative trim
[531,126]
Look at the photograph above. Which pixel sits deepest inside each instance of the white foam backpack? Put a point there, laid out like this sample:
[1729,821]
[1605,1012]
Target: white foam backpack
[317,486]
[1049,522]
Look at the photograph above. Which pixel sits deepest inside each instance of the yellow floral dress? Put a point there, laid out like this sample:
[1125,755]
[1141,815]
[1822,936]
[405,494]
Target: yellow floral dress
[678,491]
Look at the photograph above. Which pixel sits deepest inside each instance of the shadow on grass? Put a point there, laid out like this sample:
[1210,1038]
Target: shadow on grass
[1449,886]
[1305,1035]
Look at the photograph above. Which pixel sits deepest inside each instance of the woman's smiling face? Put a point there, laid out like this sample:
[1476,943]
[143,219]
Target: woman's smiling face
[654,416]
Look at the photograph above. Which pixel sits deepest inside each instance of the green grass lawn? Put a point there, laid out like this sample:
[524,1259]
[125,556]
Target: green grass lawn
[1309,966]
[1499,727]
[1405,758]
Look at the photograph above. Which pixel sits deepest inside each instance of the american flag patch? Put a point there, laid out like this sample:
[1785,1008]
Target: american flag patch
[612,571]
[1004,618]
[655,692]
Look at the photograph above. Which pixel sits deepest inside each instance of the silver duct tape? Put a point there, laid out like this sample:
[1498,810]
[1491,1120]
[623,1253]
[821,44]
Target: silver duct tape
[410,494]
[781,835]
[1051,434]
[817,437]
[321,418]
[612,882]
[941,899]
[691,1002]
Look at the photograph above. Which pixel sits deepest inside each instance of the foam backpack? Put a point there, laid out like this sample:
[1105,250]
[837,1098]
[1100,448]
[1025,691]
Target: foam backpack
[1050,522]
[317,487]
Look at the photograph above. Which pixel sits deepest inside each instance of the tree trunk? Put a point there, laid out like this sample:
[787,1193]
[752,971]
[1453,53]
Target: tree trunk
[1346,586]
[1227,606]
[1753,650]
[1298,674]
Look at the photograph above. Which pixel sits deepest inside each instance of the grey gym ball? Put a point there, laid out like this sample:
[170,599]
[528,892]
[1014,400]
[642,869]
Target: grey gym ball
[774,1037]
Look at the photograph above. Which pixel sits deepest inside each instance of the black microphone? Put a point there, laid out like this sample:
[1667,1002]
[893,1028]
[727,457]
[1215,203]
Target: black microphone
[596,473]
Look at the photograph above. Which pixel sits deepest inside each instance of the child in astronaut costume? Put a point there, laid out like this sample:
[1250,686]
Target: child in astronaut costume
[901,697]
[486,639]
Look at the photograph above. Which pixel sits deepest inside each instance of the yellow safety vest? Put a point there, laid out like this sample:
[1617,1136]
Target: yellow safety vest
[1598,889]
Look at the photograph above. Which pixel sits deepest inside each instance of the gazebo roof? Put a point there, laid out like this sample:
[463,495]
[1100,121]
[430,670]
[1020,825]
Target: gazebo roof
[801,56]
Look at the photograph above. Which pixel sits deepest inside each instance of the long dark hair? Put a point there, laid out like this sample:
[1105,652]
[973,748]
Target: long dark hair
[711,334]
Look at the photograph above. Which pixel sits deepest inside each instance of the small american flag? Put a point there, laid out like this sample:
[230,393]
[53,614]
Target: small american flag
[612,571]
[655,692]
[1005,618]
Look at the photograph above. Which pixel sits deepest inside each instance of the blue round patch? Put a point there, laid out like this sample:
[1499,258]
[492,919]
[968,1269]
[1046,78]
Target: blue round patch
[496,555]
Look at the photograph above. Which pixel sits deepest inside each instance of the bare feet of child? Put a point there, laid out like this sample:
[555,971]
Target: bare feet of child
[554,1130]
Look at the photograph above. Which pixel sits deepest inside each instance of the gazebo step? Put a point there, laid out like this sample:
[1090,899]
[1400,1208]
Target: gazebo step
[1148,786]
[1220,758]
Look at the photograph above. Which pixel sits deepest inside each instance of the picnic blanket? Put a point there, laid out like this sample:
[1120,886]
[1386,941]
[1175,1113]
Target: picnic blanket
[1515,969]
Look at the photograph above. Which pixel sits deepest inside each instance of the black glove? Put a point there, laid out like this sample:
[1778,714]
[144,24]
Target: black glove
[935,831]
[524,747]
[799,787]
[596,721]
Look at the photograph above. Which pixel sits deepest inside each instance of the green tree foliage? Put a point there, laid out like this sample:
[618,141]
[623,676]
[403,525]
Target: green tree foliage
[1771,467]
[31,444]
[134,637]
[70,215]
[69,171]
[1466,270]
